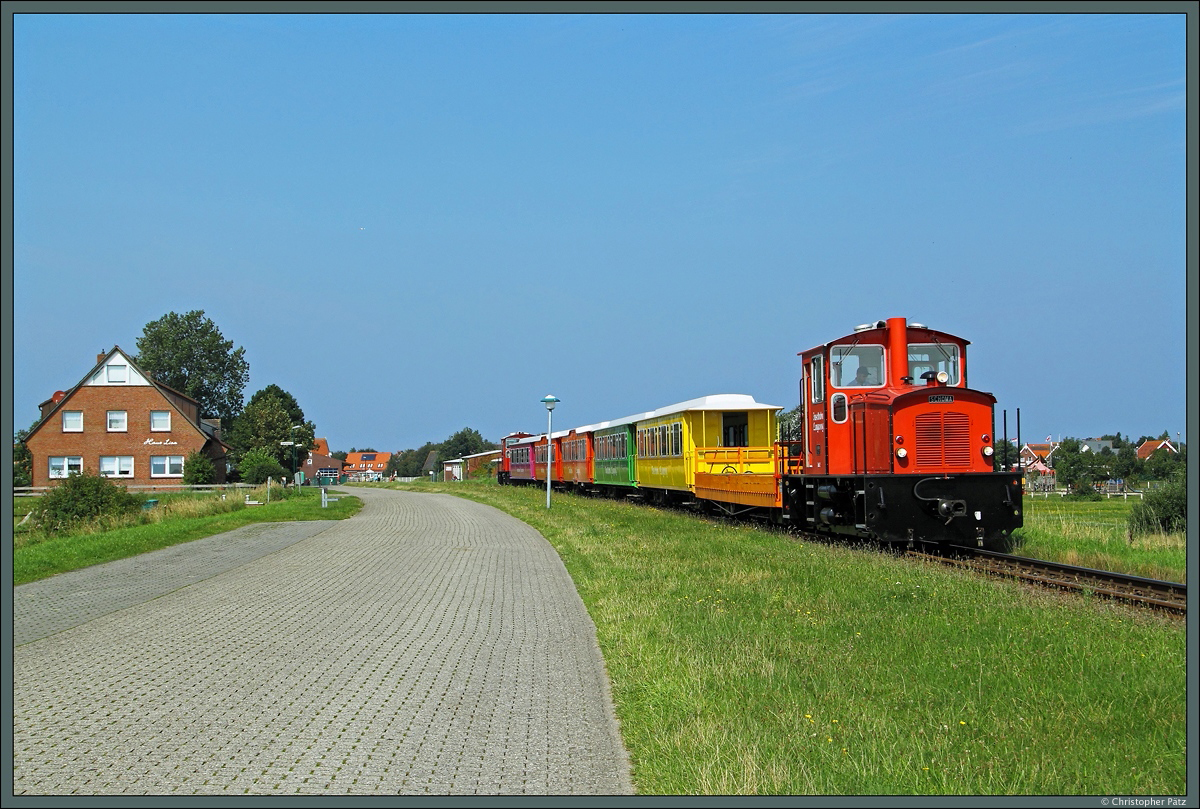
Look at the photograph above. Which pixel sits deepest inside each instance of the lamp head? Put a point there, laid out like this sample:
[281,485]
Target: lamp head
[549,400]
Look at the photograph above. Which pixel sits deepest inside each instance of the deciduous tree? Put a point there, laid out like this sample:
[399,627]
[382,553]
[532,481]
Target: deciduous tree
[189,353]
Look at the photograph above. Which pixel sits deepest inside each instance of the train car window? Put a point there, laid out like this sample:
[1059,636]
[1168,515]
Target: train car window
[856,366]
[837,405]
[817,375]
[935,357]
[735,429]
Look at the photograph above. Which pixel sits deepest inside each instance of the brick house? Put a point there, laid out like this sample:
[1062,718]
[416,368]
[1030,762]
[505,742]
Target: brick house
[320,458]
[365,466]
[118,421]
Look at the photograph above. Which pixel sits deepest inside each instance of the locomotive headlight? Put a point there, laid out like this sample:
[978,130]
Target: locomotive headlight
[902,453]
[988,452]
[943,377]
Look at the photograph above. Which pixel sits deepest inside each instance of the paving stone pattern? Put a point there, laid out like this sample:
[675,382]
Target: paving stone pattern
[428,645]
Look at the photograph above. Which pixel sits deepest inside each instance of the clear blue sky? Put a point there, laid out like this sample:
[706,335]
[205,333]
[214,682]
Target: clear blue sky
[420,223]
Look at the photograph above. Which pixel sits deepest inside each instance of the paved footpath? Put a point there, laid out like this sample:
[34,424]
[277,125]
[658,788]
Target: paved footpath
[429,645]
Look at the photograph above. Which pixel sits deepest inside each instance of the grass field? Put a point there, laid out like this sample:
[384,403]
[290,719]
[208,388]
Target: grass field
[177,518]
[1094,534]
[745,662]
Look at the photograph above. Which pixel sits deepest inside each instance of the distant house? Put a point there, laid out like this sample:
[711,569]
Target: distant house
[1095,445]
[366,466]
[320,460]
[431,463]
[120,423]
[1148,448]
[1035,454]
[452,470]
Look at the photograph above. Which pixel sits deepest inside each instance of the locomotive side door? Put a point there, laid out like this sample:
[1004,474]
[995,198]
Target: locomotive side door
[815,436]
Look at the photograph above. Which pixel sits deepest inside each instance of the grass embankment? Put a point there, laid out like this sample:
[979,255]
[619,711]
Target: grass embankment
[1095,534]
[177,518]
[743,661]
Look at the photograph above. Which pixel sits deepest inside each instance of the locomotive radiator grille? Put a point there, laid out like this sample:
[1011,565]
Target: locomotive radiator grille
[943,439]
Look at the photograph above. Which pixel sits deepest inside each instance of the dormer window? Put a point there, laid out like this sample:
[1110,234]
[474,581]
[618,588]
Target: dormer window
[117,374]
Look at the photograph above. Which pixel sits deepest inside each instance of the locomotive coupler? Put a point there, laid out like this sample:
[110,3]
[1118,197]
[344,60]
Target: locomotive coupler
[951,509]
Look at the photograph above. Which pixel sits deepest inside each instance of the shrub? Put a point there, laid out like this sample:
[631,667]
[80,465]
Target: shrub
[198,470]
[80,498]
[1162,510]
[1085,492]
[258,464]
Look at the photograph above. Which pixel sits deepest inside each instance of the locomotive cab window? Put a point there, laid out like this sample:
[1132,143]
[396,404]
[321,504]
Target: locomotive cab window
[857,366]
[816,374]
[933,357]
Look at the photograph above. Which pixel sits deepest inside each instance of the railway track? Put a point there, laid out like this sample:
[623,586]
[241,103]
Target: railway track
[1161,595]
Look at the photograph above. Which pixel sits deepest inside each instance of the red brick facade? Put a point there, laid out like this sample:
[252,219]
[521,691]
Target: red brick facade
[133,449]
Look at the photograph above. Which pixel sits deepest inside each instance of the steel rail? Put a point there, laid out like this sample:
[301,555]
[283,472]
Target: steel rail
[1164,595]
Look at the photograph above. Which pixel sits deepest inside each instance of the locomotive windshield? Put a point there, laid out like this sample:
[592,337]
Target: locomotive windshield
[856,366]
[925,357]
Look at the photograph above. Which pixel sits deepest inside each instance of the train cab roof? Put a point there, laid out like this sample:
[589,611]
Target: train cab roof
[877,332]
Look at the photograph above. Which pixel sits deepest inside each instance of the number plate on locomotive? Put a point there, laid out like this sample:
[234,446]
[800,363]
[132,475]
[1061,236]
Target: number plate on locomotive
[941,399]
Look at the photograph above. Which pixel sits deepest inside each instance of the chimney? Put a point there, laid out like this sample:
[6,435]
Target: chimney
[100,357]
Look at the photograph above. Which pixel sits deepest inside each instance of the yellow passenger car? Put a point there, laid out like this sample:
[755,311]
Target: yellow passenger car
[725,434]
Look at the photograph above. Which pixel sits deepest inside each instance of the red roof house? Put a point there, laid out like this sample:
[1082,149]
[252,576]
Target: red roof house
[1148,448]
[120,423]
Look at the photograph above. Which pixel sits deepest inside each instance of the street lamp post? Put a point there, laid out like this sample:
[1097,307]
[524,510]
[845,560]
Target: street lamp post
[291,444]
[549,401]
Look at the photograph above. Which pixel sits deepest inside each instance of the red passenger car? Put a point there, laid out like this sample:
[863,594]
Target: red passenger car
[516,463]
[577,455]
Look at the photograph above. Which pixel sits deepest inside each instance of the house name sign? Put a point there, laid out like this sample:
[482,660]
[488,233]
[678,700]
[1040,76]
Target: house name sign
[159,443]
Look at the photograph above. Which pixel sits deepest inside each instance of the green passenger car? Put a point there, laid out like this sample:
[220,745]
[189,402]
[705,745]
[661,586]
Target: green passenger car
[614,452]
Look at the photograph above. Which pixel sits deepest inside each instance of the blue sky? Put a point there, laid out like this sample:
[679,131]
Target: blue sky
[418,223]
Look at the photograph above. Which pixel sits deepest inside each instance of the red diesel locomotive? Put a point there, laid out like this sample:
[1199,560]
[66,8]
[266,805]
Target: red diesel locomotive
[894,446]
[889,445]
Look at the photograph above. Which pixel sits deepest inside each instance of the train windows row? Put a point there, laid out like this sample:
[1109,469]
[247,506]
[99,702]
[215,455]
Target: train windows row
[575,449]
[663,441]
[520,455]
[611,447]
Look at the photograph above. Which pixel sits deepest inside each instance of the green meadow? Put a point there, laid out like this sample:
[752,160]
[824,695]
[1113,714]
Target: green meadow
[1095,534]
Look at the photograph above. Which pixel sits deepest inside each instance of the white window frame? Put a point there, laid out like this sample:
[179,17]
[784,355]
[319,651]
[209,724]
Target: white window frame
[839,399]
[70,464]
[119,378]
[69,429]
[166,465]
[120,466]
[937,362]
[124,428]
[166,429]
